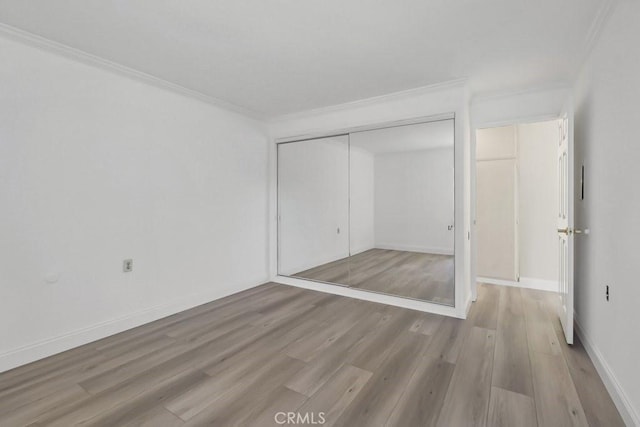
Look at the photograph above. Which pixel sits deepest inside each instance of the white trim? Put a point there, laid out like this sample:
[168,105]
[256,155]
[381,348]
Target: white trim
[361,250]
[470,301]
[519,121]
[413,304]
[595,30]
[619,397]
[525,282]
[394,96]
[51,46]
[51,346]
[505,94]
[410,248]
[367,127]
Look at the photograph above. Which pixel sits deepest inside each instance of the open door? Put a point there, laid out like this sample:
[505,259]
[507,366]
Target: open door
[565,222]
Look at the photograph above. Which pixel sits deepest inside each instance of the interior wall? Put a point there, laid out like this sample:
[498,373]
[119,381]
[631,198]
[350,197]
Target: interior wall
[606,140]
[313,203]
[414,201]
[538,200]
[95,168]
[361,182]
[496,185]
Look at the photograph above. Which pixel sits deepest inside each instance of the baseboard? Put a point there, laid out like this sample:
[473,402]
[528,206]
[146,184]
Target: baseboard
[540,284]
[525,282]
[371,296]
[409,248]
[361,250]
[619,397]
[45,348]
[468,306]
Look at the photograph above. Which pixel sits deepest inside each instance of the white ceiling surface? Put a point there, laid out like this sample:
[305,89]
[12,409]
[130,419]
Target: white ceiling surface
[281,56]
[424,136]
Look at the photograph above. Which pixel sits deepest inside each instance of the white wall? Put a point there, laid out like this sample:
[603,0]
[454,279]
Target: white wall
[361,181]
[538,201]
[95,168]
[606,139]
[496,207]
[313,202]
[414,201]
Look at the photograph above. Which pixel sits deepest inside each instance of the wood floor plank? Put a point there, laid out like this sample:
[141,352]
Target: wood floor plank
[316,373]
[540,333]
[204,394]
[282,401]
[422,399]
[511,366]
[486,307]
[362,363]
[448,339]
[596,402]
[155,417]
[337,394]
[373,407]
[230,407]
[557,402]
[467,399]
[373,349]
[427,324]
[119,405]
[24,415]
[509,409]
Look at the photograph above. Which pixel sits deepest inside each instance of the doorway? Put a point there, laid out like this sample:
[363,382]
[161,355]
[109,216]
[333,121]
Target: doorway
[517,205]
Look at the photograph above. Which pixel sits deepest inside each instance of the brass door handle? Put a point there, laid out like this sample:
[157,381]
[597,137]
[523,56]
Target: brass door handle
[566,231]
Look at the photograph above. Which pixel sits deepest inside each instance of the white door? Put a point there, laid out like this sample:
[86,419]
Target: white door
[565,223]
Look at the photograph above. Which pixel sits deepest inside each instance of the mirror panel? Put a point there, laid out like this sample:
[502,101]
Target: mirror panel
[313,206]
[409,245]
[373,210]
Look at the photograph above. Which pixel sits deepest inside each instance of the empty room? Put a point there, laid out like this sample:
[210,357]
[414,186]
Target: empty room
[319,213]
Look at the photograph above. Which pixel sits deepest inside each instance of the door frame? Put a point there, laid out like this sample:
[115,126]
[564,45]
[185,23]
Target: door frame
[473,259]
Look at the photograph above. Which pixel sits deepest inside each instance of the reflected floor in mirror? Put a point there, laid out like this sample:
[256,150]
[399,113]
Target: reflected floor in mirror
[423,276]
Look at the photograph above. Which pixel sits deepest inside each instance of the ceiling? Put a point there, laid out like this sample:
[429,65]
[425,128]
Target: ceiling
[281,56]
[423,136]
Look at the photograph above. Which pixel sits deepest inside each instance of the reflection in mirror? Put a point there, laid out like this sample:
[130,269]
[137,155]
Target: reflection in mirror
[313,204]
[402,211]
[373,210]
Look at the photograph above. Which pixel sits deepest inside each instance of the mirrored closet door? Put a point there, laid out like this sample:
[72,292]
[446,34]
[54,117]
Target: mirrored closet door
[372,210]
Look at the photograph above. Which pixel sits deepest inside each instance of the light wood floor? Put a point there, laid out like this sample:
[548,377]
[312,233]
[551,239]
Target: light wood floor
[417,275]
[240,360]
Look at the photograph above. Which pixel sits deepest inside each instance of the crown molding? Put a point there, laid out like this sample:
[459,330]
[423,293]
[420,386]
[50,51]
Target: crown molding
[595,31]
[599,21]
[69,52]
[497,95]
[404,94]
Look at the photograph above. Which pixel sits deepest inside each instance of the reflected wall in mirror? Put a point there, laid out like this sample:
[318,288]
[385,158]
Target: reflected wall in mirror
[313,203]
[408,248]
[394,234]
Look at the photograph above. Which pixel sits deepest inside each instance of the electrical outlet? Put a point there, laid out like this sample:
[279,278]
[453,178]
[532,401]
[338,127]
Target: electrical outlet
[607,292]
[127,265]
